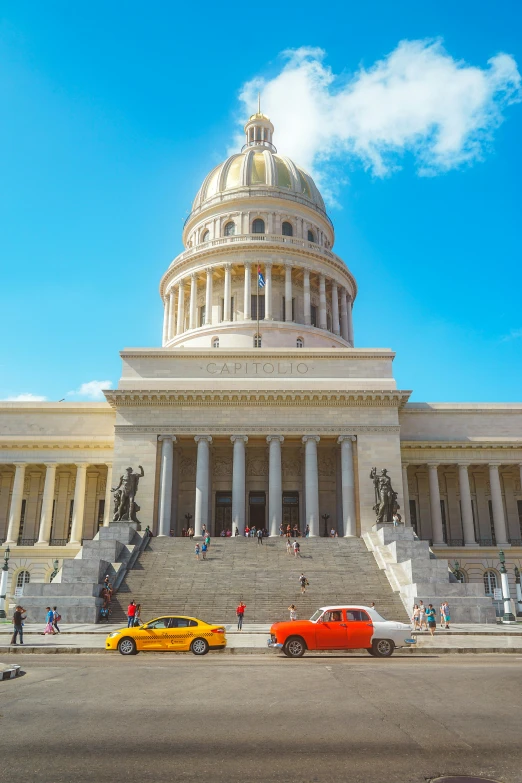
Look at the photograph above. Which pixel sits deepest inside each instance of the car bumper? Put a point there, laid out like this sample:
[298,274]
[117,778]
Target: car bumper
[274,645]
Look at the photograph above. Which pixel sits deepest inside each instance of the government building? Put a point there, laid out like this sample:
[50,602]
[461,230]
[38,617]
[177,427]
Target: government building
[258,408]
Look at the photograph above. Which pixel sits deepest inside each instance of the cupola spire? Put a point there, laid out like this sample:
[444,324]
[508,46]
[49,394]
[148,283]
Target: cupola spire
[259,130]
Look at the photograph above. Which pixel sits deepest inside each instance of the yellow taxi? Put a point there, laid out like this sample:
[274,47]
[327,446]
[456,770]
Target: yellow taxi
[175,632]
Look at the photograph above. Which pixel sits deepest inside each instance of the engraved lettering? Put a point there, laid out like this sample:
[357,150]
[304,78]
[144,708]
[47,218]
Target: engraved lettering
[279,370]
[268,365]
[237,366]
[212,364]
[256,365]
[225,369]
[302,368]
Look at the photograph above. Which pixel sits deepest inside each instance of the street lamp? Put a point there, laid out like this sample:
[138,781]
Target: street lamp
[325,518]
[56,565]
[519,590]
[3,583]
[508,616]
[188,517]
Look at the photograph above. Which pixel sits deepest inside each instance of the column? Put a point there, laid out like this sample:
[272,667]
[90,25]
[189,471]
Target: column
[322,302]
[171,321]
[268,292]
[499,519]
[226,293]
[165,494]
[193,311]
[238,483]
[79,505]
[107,511]
[288,293]
[466,509]
[436,514]
[335,309]
[350,320]
[202,480]
[307,302]
[406,495]
[180,326]
[311,483]
[275,484]
[46,516]
[208,298]
[344,315]
[247,301]
[348,485]
[166,318]
[15,510]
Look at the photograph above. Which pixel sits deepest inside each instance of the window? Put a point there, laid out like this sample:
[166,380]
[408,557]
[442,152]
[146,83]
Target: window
[215,342]
[231,309]
[335,616]
[357,615]
[69,524]
[287,229]
[23,578]
[163,622]
[22,521]
[444,524]
[519,508]
[413,517]
[206,236]
[253,307]
[492,524]
[101,512]
[230,229]
[202,314]
[181,622]
[283,309]
[313,314]
[310,235]
[257,341]
[299,342]
[258,226]
[490,582]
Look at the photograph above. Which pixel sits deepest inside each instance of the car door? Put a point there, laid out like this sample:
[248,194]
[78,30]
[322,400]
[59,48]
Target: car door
[153,635]
[331,631]
[360,629]
[181,632]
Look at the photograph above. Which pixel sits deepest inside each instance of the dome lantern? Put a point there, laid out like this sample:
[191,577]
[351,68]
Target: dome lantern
[259,131]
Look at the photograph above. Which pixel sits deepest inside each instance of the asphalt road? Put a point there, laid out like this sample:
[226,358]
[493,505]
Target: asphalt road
[159,717]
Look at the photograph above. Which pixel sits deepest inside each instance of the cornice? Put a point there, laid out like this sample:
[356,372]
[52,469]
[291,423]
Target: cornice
[295,429]
[512,443]
[434,408]
[262,353]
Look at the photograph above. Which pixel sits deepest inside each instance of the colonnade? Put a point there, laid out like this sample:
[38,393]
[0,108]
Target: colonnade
[275,483]
[341,301]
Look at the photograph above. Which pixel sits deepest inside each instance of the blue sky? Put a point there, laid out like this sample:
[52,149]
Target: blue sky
[112,114]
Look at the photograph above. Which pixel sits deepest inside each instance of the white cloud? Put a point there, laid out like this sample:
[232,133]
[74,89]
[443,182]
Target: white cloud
[25,398]
[417,100]
[92,390]
[514,334]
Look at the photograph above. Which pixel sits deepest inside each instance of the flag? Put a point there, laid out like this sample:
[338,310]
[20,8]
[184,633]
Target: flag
[260,279]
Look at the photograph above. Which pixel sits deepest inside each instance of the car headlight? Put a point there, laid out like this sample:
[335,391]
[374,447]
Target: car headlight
[112,635]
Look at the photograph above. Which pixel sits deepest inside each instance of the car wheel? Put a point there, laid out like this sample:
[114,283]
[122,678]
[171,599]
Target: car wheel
[383,648]
[199,647]
[294,647]
[127,646]
[370,650]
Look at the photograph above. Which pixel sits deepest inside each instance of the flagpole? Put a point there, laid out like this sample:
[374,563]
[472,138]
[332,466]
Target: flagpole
[257,308]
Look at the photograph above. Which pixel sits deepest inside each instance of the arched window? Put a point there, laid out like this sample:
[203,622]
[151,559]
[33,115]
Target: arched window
[206,236]
[287,229]
[490,582]
[258,226]
[230,229]
[299,342]
[311,237]
[23,578]
[257,341]
[215,342]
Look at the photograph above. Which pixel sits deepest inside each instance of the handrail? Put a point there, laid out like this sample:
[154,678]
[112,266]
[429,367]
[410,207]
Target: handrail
[246,238]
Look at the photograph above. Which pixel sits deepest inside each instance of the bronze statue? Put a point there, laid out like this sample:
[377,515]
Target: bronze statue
[125,506]
[385,496]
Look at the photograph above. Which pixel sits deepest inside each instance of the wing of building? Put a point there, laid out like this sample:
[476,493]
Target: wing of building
[258,408]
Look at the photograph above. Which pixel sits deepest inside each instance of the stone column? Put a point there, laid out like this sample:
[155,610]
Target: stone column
[499,519]
[348,485]
[208,298]
[166,319]
[79,505]
[172,317]
[322,302]
[165,493]
[193,311]
[275,484]
[288,293]
[344,315]
[180,326]
[107,511]
[465,506]
[247,302]
[307,302]
[268,292]
[335,309]
[46,516]
[311,483]
[226,292]
[202,482]
[15,510]
[238,483]
[436,515]
[406,495]
[350,321]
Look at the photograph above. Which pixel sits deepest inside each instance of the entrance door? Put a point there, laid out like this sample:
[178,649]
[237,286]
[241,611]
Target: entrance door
[290,509]
[223,513]
[257,504]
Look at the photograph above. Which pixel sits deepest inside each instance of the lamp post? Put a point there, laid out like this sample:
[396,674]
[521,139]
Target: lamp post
[188,517]
[56,565]
[325,518]
[3,583]
[508,616]
[519,590]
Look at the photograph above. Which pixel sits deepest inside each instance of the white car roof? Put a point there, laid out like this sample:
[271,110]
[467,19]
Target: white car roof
[374,614]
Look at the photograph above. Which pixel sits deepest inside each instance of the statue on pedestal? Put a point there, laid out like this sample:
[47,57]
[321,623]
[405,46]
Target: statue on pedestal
[385,496]
[125,506]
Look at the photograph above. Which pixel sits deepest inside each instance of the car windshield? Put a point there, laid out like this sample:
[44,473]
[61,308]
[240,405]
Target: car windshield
[316,615]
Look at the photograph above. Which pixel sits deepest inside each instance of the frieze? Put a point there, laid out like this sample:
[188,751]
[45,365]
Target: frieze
[222,466]
[325,465]
[380,399]
[155,430]
[291,467]
[257,466]
[187,467]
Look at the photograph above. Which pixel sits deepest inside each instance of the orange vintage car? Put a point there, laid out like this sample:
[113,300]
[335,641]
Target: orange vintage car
[341,628]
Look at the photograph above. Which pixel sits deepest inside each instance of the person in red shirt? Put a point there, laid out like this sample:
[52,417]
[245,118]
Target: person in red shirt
[131,613]
[240,611]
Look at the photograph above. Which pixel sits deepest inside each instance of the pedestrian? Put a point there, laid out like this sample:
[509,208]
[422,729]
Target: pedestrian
[295,531]
[446,615]
[204,550]
[207,541]
[281,531]
[247,531]
[196,550]
[293,612]
[105,611]
[372,605]
[431,617]
[137,615]
[297,549]
[395,519]
[422,616]
[288,547]
[56,619]
[303,581]
[18,624]
[49,628]
[288,531]
[236,531]
[107,587]
[415,618]
[259,536]
[131,613]
[441,612]
[307,531]
[190,533]
[240,611]
[253,531]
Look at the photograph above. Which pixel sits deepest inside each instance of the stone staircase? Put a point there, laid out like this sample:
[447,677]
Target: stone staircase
[167,578]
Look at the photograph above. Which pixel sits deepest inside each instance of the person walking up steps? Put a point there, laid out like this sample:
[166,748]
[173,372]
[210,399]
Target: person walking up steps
[293,611]
[303,581]
[259,536]
[204,550]
[288,547]
[240,611]
[196,550]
